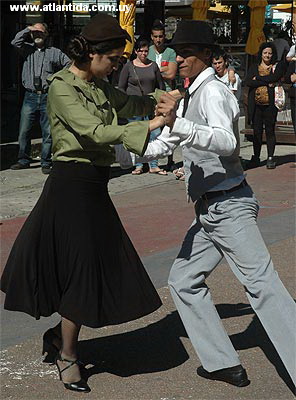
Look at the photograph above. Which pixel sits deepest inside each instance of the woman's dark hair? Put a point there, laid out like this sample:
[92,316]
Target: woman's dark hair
[141,42]
[267,45]
[79,48]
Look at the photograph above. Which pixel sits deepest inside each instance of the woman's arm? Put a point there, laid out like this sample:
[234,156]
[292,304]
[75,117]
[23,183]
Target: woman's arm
[250,81]
[67,114]
[274,76]
[123,78]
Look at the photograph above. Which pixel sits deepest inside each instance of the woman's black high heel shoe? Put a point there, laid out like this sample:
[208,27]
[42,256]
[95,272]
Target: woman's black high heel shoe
[49,348]
[80,386]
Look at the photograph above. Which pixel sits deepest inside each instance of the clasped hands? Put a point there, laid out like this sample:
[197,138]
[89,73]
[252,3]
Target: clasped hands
[166,108]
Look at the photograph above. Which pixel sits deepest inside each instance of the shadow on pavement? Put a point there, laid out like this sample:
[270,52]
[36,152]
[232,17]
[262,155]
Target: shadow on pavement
[280,160]
[156,347]
[234,310]
[255,336]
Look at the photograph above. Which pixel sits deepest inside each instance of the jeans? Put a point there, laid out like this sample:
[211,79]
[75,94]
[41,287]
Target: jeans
[32,103]
[153,136]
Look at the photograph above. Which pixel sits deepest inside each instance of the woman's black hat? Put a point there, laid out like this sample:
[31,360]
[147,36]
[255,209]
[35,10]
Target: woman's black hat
[193,32]
[103,27]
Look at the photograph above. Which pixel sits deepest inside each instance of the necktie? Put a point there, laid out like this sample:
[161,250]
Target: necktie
[186,102]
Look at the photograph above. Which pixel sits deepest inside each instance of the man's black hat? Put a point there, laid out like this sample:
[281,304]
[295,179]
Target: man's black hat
[193,32]
[103,27]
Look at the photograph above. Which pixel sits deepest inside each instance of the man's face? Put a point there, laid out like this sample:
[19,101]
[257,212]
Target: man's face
[219,65]
[158,38]
[191,62]
[39,34]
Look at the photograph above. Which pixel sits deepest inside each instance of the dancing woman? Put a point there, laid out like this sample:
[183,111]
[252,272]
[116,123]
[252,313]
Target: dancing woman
[73,255]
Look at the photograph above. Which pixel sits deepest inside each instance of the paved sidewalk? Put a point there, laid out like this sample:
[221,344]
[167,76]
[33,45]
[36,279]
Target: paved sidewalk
[152,358]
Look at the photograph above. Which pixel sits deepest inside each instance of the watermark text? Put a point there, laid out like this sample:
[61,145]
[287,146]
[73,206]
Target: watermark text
[77,7]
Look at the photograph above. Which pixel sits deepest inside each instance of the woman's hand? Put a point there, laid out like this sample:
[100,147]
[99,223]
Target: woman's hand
[156,122]
[177,93]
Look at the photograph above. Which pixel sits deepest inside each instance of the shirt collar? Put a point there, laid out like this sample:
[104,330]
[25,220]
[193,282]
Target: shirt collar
[200,78]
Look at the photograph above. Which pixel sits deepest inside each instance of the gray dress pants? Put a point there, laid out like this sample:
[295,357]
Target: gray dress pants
[227,226]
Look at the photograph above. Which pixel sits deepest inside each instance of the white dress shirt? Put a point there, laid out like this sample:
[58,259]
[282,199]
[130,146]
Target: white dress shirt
[236,87]
[217,136]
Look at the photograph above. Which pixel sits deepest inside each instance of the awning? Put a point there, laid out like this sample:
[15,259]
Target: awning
[284,7]
[256,35]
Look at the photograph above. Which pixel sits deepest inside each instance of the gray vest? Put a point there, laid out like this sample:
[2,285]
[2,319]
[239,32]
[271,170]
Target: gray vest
[204,169]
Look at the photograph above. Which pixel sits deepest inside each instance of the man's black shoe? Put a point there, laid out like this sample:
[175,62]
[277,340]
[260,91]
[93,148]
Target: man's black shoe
[236,376]
[19,166]
[46,170]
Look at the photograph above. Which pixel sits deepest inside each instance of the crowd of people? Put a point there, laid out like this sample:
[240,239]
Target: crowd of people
[154,66]
[89,272]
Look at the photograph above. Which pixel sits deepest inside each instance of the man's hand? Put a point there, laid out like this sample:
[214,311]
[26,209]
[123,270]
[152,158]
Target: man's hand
[37,27]
[231,76]
[167,107]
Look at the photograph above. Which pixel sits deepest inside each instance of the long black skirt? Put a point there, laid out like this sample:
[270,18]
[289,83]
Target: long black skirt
[73,256]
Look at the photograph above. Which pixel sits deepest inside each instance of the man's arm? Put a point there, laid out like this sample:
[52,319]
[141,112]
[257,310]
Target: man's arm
[64,60]
[291,56]
[169,71]
[20,38]
[219,108]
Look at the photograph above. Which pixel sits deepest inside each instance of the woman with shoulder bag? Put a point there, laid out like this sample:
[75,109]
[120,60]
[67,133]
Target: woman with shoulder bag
[141,76]
[261,79]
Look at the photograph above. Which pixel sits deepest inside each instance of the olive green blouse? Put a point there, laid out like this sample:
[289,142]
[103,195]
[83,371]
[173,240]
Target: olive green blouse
[83,119]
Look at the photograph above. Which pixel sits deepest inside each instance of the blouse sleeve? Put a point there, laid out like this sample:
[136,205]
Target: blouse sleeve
[64,106]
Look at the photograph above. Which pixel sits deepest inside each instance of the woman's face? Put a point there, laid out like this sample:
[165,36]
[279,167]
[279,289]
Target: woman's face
[142,53]
[102,65]
[267,55]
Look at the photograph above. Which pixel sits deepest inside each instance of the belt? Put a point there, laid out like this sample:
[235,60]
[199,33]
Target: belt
[43,91]
[211,195]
